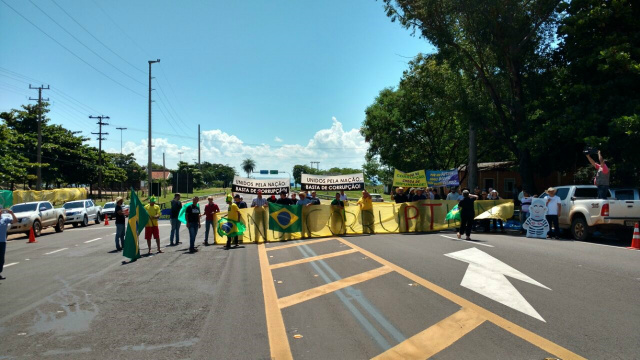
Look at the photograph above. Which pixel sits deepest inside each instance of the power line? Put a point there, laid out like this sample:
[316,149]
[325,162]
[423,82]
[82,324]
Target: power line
[83,44]
[95,38]
[71,52]
[121,30]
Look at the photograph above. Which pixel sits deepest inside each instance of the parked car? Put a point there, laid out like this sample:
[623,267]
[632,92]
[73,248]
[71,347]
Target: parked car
[80,212]
[109,210]
[625,194]
[376,198]
[583,213]
[38,215]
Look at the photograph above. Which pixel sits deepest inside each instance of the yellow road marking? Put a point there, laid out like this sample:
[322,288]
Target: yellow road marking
[278,341]
[314,258]
[438,337]
[516,330]
[300,243]
[331,287]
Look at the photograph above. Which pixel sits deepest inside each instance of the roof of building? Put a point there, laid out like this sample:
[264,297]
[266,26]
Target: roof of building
[157,174]
[488,166]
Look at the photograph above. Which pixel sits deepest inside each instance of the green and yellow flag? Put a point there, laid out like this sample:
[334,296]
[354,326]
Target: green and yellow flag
[285,218]
[138,218]
[227,227]
[454,214]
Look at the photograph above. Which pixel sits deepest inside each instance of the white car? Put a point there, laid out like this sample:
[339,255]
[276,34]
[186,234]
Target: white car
[39,215]
[80,212]
[376,198]
[109,210]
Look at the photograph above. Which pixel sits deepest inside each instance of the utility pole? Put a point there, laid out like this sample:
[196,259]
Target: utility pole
[178,173]
[317,164]
[199,147]
[149,162]
[100,138]
[164,171]
[39,153]
[121,128]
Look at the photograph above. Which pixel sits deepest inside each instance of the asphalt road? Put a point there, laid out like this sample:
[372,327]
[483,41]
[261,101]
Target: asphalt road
[70,296]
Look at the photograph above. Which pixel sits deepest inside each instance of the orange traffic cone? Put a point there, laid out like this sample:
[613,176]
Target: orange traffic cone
[32,237]
[635,241]
[106,220]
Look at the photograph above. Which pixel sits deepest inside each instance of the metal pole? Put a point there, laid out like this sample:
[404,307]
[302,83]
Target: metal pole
[39,151]
[149,144]
[121,128]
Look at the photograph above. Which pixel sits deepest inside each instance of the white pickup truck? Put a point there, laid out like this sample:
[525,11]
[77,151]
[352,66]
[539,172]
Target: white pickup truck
[39,215]
[583,213]
[80,212]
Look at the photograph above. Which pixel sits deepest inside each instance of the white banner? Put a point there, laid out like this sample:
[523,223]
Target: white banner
[332,182]
[251,186]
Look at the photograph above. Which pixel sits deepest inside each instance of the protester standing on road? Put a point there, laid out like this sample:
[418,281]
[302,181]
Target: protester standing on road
[304,200]
[192,214]
[601,180]
[284,200]
[120,224]
[209,210]
[337,206]
[259,201]
[241,203]
[554,207]
[494,196]
[525,202]
[151,229]
[5,222]
[176,206]
[399,197]
[467,213]
[233,214]
[366,213]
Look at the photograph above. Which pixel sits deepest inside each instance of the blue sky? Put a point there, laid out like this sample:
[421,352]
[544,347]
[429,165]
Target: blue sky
[283,82]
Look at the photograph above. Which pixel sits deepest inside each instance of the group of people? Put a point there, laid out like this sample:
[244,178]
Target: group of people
[417,194]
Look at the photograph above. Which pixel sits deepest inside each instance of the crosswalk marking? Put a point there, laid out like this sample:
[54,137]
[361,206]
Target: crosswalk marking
[314,258]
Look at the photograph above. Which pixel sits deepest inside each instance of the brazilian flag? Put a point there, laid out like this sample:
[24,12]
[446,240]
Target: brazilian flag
[454,214]
[228,227]
[285,218]
[138,218]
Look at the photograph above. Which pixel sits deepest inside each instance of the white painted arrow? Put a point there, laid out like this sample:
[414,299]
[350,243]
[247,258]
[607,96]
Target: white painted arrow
[486,275]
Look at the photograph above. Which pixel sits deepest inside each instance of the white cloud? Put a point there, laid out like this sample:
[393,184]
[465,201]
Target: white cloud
[332,147]
[277,139]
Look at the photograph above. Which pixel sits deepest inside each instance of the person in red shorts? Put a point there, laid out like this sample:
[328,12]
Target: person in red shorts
[151,229]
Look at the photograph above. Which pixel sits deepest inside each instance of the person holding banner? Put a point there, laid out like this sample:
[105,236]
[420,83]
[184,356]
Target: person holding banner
[233,214]
[467,213]
[399,197]
[284,200]
[337,207]
[294,200]
[366,212]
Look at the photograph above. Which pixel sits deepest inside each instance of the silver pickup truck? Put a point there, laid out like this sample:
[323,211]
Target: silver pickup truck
[583,213]
[39,215]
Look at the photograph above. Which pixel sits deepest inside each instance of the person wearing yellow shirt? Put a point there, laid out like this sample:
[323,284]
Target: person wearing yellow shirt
[151,229]
[366,212]
[233,214]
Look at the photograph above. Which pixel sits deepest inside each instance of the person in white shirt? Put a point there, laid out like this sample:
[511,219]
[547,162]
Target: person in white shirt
[554,207]
[524,209]
[343,197]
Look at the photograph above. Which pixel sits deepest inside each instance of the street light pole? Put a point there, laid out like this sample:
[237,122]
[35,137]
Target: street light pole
[149,144]
[121,128]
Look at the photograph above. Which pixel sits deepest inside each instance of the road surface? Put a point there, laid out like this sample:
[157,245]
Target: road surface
[69,296]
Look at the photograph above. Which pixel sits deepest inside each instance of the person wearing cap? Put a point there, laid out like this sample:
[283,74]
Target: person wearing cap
[272,199]
[151,229]
[284,200]
[366,213]
[120,224]
[467,213]
[420,195]
[233,214]
[399,197]
[411,194]
[554,207]
[209,211]
[5,222]
[304,200]
[192,215]
[176,206]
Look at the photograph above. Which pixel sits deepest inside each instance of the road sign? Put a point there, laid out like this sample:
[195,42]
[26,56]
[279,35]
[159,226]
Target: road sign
[486,275]
[273,172]
[264,172]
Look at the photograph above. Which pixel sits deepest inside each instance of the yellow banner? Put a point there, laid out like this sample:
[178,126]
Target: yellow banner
[56,197]
[501,211]
[411,179]
[386,218]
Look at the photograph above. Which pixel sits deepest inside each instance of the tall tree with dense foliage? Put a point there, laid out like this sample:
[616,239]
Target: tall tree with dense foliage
[504,44]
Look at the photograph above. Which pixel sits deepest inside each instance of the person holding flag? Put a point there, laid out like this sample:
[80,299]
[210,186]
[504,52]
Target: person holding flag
[151,228]
[467,213]
[138,218]
[192,214]
[234,215]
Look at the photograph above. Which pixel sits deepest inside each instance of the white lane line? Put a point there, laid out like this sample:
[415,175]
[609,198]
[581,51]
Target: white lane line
[469,241]
[88,241]
[586,242]
[7,265]
[55,251]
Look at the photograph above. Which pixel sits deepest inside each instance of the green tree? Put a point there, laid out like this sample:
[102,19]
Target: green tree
[217,173]
[248,165]
[13,162]
[298,170]
[505,45]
